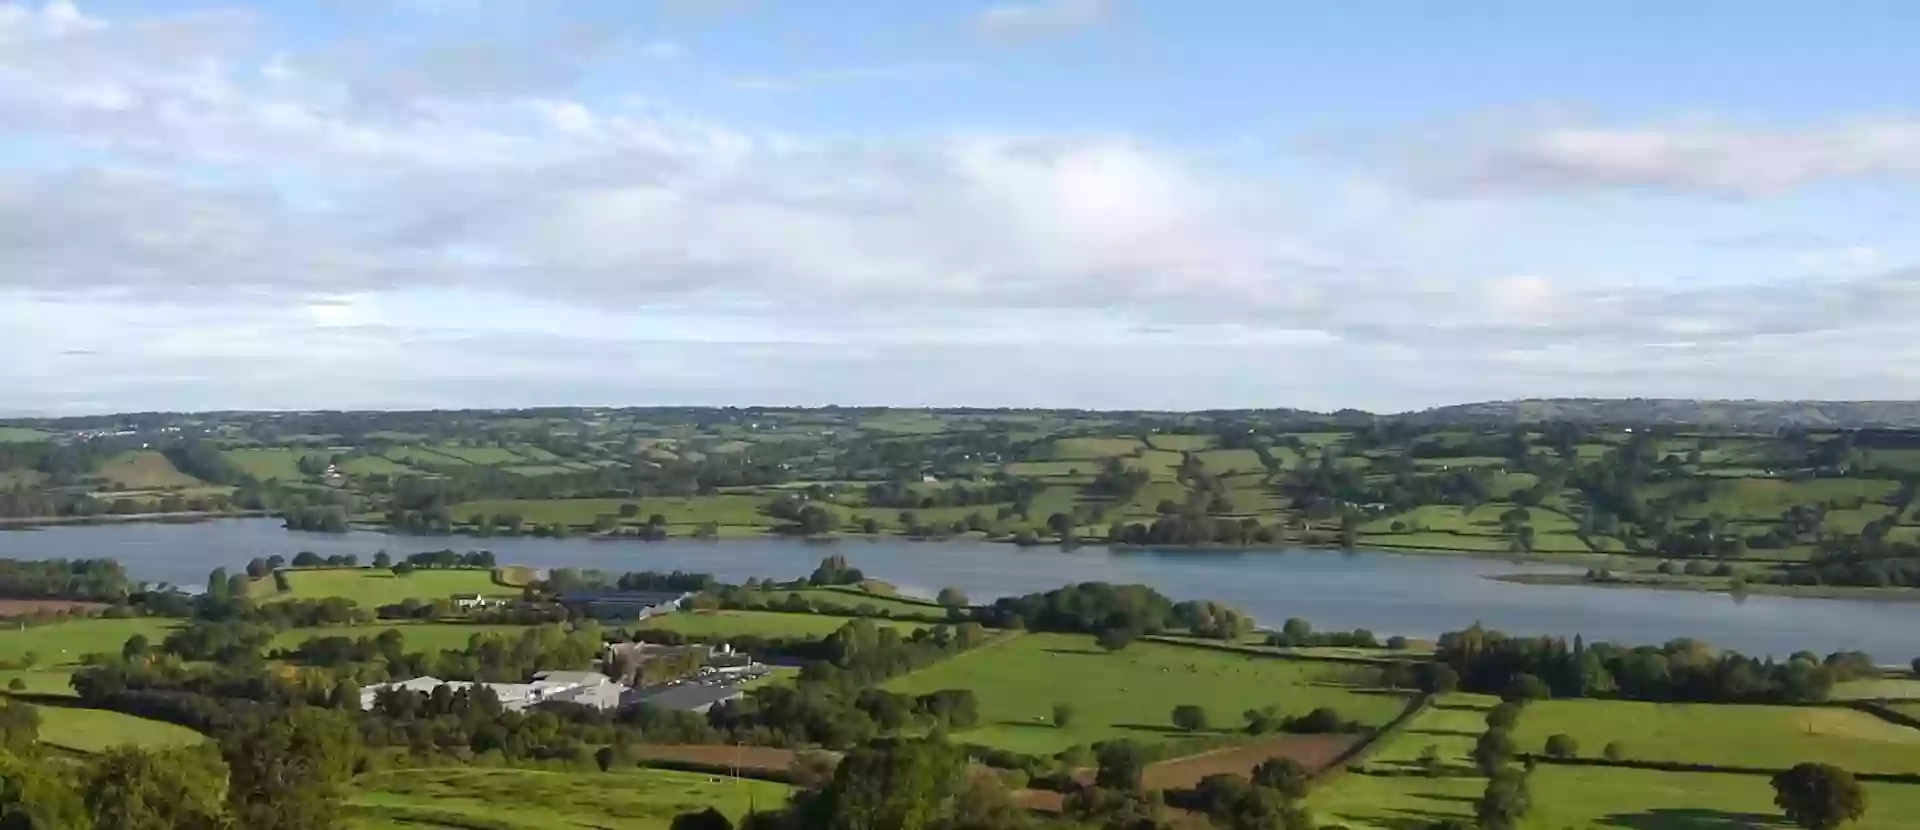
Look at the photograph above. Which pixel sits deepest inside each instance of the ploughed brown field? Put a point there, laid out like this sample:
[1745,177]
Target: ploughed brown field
[1315,752]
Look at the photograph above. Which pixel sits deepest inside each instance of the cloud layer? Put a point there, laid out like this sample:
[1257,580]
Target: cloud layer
[192,216]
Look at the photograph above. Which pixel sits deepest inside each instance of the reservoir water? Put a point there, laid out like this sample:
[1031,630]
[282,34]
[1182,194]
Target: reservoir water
[1418,596]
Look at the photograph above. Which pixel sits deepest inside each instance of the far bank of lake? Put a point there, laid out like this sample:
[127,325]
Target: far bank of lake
[1388,593]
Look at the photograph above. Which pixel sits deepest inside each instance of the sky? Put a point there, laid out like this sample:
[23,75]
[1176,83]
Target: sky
[1064,203]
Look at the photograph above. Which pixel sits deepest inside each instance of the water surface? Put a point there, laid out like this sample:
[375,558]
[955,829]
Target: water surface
[1387,593]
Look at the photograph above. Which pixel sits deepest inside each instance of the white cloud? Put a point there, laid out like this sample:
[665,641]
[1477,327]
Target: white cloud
[189,208]
[1704,158]
[1042,18]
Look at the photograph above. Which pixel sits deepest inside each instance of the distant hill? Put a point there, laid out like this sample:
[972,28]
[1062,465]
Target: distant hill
[1758,415]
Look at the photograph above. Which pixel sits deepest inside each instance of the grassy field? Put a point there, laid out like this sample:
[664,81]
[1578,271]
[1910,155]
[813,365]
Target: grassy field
[94,730]
[269,463]
[1886,688]
[1451,726]
[1094,448]
[418,637]
[368,465]
[372,587]
[847,599]
[1592,797]
[513,799]
[1244,461]
[63,644]
[1180,443]
[55,682]
[1753,736]
[22,435]
[758,624]
[481,455]
[1130,693]
[145,470]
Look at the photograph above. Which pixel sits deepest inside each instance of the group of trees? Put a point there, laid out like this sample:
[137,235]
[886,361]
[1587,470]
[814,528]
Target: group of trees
[266,773]
[1682,670]
[90,580]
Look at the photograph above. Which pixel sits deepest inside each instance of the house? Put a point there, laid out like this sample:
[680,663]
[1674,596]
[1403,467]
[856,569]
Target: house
[622,605]
[469,602]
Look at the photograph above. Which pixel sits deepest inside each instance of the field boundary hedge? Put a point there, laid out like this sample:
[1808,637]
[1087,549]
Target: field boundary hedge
[778,776]
[1682,766]
[1884,713]
[1251,651]
[1361,751]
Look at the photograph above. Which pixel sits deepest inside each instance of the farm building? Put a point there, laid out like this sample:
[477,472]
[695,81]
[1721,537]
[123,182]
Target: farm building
[581,687]
[622,605]
[691,697]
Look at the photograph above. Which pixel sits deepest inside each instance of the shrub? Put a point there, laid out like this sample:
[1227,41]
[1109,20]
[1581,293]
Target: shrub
[1563,746]
[1615,751]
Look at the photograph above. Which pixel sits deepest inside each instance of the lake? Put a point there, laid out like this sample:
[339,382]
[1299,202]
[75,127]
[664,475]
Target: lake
[1418,596]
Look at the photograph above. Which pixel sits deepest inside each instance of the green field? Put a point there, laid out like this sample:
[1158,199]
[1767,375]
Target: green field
[370,465]
[1220,462]
[94,730]
[847,599]
[481,455]
[1180,443]
[1130,693]
[270,463]
[1094,448]
[145,470]
[22,435]
[1752,736]
[1885,688]
[63,644]
[417,637]
[374,587]
[771,624]
[1451,725]
[55,682]
[1766,498]
[1564,797]
[520,799]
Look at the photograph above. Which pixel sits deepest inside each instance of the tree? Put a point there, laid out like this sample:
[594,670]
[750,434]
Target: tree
[219,587]
[1562,746]
[896,784]
[286,770]
[134,789]
[1506,800]
[1493,750]
[1614,751]
[952,598]
[627,511]
[1916,667]
[1189,718]
[1062,715]
[1120,765]
[1503,716]
[1282,775]
[35,795]
[135,648]
[708,819]
[1114,639]
[1527,688]
[19,727]
[1819,796]
[1430,761]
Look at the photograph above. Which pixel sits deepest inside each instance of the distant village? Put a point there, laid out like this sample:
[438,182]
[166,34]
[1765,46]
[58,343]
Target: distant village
[690,678]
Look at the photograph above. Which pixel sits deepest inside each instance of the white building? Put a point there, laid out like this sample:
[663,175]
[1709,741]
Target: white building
[582,687]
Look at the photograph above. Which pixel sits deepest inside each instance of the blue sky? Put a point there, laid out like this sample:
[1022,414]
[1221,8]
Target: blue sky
[1098,203]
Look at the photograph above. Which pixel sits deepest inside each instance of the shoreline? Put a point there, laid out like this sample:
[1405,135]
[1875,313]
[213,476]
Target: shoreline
[1849,592]
[196,517]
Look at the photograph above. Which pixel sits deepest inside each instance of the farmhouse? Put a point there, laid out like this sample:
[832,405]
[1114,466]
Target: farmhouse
[622,605]
[469,602]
